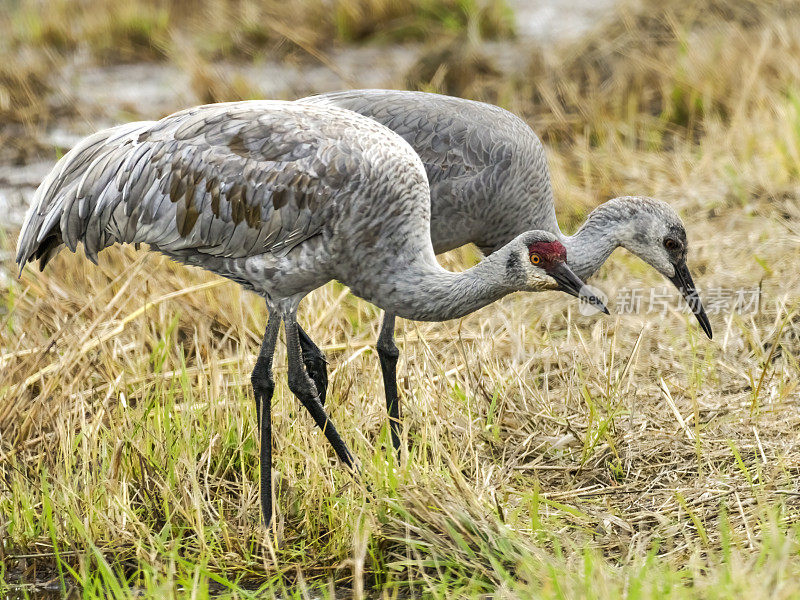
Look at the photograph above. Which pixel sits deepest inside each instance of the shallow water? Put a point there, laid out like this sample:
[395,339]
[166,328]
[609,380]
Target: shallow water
[549,21]
[114,94]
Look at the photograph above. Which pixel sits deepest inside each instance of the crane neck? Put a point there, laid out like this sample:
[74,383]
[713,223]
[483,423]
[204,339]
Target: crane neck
[607,227]
[422,290]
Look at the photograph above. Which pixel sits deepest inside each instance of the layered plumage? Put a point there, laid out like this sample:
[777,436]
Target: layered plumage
[489,181]
[280,197]
[221,183]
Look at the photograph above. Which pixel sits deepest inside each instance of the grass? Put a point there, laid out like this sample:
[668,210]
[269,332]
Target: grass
[550,455]
[156,29]
[42,43]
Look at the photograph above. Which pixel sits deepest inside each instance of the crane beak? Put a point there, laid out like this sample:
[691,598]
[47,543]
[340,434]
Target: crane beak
[571,284]
[683,281]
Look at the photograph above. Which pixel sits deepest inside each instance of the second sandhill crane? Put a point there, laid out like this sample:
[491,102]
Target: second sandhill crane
[281,198]
[489,182]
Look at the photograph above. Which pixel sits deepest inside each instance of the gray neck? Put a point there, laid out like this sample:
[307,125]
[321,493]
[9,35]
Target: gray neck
[606,228]
[424,291]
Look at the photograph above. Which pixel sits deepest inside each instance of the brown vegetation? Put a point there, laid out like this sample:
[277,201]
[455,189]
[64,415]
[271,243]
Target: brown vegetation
[550,454]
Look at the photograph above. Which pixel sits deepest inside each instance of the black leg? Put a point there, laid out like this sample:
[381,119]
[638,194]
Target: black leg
[302,387]
[263,387]
[388,354]
[316,365]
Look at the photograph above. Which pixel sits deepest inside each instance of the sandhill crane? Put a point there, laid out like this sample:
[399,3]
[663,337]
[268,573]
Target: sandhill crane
[489,181]
[281,198]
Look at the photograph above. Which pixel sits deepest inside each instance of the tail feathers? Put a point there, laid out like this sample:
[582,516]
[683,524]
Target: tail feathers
[40,238]
[64,210]
[47,250]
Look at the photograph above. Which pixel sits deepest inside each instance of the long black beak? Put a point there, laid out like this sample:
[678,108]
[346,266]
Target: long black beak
[570,283]
[683,281]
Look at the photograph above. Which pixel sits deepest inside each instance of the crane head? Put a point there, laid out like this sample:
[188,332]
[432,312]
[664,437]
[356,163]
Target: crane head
[655,233]
[546,268]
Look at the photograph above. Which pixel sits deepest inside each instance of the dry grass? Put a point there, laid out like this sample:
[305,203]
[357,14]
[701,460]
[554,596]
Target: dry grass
[40,40]
[672,77]
[149,29]
[456,67]
[25,104]
[660,71]
[23,82]
[550,455]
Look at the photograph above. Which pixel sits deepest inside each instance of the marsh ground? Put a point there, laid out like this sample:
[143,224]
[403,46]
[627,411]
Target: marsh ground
[550,455]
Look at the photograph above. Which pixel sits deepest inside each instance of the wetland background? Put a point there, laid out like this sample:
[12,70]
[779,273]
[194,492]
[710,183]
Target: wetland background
[551,454]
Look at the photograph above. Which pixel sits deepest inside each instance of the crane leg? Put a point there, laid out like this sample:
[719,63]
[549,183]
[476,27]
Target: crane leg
[388,354]
[316,365]
[263,387]
[305,390]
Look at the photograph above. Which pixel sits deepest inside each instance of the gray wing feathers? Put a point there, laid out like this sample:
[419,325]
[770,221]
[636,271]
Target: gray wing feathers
[486,167]
[50,212]
[228,180]
[455,138]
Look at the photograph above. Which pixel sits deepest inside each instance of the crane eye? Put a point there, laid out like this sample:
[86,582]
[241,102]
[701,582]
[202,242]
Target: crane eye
[670,244]
[535,259]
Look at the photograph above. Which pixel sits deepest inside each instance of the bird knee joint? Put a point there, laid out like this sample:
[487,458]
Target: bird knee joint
[388,350]
[261,377]
[263,389]
[300,385]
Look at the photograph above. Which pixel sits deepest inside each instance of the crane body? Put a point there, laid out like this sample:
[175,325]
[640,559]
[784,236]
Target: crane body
[489,182]
[281,198]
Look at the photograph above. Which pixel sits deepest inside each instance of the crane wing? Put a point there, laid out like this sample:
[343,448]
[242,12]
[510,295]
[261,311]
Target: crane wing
[459,141]
[227,179]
